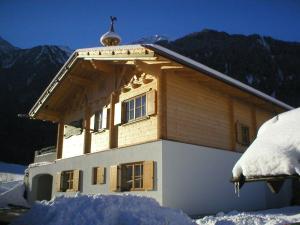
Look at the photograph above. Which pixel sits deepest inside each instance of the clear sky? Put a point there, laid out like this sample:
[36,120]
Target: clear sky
[79,23]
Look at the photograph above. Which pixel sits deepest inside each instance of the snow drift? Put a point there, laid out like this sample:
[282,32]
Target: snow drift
[104,210]
[12,193]
[281,216]
[275,151]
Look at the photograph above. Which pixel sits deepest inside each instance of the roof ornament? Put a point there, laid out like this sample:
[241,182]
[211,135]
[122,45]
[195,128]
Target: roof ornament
[110,38]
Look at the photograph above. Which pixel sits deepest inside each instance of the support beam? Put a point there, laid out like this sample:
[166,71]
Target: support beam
[60,140]
[112,130]
[87,131]
[231,124]
[162,105]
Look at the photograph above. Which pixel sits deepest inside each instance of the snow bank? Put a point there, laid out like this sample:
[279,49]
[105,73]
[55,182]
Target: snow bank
[14,194]
[104,210]
[281,216]
[276,150]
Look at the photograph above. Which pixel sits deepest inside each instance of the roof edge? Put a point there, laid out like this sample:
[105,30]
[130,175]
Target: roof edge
[214,73]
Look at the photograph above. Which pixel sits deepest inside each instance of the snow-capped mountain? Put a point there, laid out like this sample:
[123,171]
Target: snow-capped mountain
[151,39]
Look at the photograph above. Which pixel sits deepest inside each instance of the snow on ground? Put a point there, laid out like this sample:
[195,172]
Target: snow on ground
[276,150]
[12,168]
[281,216]
[13,195]
[104,210]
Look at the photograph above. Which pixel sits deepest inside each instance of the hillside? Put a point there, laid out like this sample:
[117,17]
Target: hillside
[270,65]
[24,74]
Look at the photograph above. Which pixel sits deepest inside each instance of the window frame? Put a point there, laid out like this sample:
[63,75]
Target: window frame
[67,181]
[134,177]
[243,138]
[142,105]
[98,121]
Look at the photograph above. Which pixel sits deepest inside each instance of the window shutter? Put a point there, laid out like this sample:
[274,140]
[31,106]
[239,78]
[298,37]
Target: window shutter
[151,102]
[148,176]
[118,113]
[104,118]
[76,180]
[92,123]
[57,182]
[100,175]
[114,178]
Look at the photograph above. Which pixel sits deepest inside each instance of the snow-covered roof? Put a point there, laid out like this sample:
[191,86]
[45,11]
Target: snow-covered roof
[275,151]
[159,50]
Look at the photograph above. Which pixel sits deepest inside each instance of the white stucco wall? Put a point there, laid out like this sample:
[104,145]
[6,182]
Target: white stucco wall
[196,179]
[73,146]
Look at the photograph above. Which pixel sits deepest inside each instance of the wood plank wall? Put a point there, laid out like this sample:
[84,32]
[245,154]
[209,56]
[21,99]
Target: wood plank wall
[200,115]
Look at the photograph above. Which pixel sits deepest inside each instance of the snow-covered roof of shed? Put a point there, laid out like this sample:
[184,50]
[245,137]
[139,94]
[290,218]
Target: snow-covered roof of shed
[159,50]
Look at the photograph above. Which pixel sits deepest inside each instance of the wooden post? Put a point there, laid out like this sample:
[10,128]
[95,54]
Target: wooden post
[111,121]
[87,131]
[60,140]
[161,106]
[231,124]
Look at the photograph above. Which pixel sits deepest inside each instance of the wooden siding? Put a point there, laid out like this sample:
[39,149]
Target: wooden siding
[140,131]
[196,114]
[201,115]
[100,141]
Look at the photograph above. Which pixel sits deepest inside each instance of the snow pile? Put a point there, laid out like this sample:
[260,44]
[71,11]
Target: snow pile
[13,195]
[104,210]
[276,150]
[281,216]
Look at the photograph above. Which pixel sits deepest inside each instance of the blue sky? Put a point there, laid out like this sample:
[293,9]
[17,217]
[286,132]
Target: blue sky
[79,23]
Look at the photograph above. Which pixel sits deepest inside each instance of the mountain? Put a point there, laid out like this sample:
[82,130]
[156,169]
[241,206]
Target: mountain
[267,64]
[151,39]
[270,65]
[24,74]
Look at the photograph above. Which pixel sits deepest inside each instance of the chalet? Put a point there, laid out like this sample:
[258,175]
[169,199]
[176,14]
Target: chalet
[144,120]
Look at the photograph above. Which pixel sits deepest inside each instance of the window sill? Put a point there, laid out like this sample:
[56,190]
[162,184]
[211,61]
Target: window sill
[136,120]
[99,131]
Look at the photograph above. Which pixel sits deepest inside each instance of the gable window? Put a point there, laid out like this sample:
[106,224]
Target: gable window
[135,108]
[99,120]
[135,176]
[243,134]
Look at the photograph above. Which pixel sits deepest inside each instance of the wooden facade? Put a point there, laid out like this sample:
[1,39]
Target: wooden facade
[182,104]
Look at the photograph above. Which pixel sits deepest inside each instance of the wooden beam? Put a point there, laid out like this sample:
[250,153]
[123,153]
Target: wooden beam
[60,140]
[87,131]
[162,106]
[172,67]
[253,120]
[112,130]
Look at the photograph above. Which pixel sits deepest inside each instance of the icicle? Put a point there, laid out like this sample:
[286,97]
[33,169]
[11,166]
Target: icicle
[237,188]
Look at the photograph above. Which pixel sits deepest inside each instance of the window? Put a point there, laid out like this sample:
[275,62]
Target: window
[98,175]
[243,134]
[98,121]
[133,176]
[67,180]
[135,108]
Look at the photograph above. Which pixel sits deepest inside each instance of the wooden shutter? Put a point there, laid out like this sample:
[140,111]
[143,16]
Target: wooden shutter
[114,178]
[118,113]
[92,123]
[104,118]
[148,176]
[76,180]
[100,175]
[58,182]
[151,102]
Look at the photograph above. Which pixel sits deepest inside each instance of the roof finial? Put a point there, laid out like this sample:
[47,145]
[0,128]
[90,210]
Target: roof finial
[110,38]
